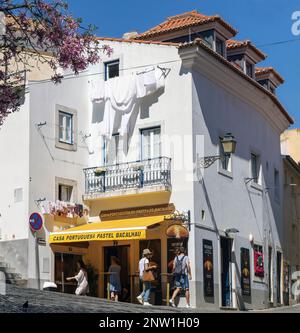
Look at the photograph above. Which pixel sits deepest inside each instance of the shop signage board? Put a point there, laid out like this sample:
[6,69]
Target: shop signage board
[96,236]
[208,268]
[245,272]
[36,222]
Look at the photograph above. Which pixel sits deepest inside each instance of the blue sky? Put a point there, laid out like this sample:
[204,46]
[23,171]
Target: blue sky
[263,21]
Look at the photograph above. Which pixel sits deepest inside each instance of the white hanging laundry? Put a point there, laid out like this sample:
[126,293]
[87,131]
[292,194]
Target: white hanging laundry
[149,82]
[97,90]
[120,98]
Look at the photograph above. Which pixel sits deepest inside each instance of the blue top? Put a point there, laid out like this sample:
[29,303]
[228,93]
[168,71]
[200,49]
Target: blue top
[114,278]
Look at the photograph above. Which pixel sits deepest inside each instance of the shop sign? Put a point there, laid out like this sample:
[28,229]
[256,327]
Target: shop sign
[97,236]
[245,272]
[177,231]
[208,268]
[259,263]
[137,212]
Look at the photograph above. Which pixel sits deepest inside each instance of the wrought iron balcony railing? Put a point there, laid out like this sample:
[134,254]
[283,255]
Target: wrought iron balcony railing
[140,174]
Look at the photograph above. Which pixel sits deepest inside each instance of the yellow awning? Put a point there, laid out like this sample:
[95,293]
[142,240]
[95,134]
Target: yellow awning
[116,230]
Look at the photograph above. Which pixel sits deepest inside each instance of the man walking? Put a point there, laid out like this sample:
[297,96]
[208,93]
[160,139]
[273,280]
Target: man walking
[182,273]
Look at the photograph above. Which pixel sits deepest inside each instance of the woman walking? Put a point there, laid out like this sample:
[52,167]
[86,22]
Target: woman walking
[146,277]
[114,279]
[81,278]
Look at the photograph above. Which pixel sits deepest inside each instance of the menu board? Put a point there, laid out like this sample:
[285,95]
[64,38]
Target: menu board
[208,268]
[245,272]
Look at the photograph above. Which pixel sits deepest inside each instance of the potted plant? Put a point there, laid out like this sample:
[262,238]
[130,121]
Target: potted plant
[100,171]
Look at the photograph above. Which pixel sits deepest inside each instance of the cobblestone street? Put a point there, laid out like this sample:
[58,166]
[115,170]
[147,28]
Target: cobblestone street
[50,302]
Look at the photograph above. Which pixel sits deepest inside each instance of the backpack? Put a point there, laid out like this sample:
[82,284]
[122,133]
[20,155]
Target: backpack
[179,269]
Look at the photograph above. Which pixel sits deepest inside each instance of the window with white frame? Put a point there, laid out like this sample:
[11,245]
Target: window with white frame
[65,127]
[255,168]
[150,143]
[112,69]
[65,192]
[112,151]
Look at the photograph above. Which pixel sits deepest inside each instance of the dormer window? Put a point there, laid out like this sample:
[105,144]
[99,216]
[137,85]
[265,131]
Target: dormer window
[220,46]
[249,69]
[268,78]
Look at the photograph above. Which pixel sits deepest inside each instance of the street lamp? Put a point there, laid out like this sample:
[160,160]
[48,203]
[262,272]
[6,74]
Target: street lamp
[229,147]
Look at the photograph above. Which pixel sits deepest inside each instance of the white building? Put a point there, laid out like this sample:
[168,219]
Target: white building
[235,205]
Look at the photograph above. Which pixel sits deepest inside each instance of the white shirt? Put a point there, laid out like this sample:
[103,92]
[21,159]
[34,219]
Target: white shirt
[142,264]
[83,285]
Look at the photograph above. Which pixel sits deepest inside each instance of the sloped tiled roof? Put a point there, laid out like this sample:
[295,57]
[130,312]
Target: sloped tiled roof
[266,70]
[182,21]
[236,44]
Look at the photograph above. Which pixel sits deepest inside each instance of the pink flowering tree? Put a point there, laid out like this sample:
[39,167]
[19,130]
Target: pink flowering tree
[40,28]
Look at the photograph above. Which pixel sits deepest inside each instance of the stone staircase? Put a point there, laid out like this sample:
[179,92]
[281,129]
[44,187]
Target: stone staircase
[11,276]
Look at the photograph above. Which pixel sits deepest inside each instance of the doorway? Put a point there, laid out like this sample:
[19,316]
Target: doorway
[278,275]
[226,272]
[65,266]
[123,254]
[270,275]
[155,247]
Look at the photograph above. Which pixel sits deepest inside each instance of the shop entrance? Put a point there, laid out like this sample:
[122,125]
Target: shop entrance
[123,254]
[65,266]
[226,272]
[155,247]
[278,282]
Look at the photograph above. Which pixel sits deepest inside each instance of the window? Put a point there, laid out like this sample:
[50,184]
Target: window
[255,168]
[18,195]
[219,46]
[276,184]
[66,127]
[112,69]
[249,69]
[112,151]
[150,143]
[225,161]
[65,192]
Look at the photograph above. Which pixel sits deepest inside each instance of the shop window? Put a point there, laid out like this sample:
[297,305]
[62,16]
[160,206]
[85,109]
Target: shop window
[112,69]
[150,143]
[258,261]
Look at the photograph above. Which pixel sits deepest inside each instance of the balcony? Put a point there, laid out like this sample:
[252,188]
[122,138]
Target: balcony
[128,178]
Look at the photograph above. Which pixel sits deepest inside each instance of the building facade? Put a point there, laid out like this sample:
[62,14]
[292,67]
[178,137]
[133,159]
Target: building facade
[141,185]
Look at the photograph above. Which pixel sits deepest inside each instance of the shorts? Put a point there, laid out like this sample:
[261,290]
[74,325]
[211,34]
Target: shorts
[182,282]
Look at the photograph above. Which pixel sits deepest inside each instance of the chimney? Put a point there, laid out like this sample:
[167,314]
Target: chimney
[130,35]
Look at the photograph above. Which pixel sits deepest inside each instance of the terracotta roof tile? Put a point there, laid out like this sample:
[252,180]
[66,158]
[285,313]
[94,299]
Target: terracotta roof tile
[236,44]
[266,70]
[182,21]
[123,40]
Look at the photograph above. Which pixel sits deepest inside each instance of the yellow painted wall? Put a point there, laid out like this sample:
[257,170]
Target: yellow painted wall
[290,141]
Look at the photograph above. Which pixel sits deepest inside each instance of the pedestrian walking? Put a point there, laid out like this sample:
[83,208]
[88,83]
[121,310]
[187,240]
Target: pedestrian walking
[182,274]
[146,277]
[81,278]
[114,279]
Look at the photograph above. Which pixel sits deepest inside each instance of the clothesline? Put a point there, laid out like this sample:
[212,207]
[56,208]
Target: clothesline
[122,94]
[73,76]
